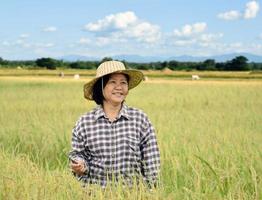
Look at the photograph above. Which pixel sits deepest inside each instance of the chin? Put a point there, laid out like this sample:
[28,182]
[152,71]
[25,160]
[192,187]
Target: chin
[118,101]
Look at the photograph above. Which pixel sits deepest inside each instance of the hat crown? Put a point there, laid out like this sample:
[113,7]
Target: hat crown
[109,67]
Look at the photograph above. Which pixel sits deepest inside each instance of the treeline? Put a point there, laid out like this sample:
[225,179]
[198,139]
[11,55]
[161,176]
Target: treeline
[239,63]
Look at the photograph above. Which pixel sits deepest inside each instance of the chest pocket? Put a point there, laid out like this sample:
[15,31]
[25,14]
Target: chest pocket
[133,145]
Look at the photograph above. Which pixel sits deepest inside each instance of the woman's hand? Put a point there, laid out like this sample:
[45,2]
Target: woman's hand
[78,166]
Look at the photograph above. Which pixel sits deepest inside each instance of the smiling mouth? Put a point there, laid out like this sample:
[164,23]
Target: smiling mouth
[117,94]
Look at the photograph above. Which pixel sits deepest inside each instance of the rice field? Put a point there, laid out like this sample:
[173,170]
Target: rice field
[209,133]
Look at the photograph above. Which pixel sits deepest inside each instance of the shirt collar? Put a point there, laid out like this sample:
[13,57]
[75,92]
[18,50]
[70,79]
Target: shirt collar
[99,112]
[124,112]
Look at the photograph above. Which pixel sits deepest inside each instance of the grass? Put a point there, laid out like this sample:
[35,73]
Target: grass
[209,133]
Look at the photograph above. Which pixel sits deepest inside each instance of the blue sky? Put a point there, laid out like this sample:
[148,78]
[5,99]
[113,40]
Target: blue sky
[32,29]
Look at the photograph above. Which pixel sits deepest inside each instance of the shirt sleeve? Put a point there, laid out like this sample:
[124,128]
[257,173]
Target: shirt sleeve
[78,144]
[149,152]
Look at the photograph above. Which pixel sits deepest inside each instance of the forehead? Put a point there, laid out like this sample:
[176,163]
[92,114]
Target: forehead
[117,76]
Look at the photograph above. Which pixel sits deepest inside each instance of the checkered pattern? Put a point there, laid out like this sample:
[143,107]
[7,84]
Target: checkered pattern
[125,148]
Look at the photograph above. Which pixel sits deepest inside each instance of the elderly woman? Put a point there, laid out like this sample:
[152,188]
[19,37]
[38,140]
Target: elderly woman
[114,141]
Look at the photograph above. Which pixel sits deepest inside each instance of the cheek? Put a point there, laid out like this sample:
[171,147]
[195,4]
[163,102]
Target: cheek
[126,92]
[106,91]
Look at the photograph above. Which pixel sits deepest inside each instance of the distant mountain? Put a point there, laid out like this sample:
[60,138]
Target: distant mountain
[137,58]
[186,58]
[218,58]
[72,58]
[128,58]
[183,58]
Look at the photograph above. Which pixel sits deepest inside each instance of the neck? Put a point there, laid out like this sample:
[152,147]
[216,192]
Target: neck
[111,110]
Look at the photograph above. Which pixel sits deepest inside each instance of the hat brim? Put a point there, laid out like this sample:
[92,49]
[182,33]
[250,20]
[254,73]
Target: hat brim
[135,77]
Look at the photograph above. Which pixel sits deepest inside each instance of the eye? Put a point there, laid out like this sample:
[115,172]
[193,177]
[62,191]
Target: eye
[112,81]
[124,83]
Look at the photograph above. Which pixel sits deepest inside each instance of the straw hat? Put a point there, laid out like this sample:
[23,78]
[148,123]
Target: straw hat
[110,67]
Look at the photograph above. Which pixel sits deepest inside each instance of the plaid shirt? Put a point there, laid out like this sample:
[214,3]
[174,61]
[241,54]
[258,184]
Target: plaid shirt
[125,148]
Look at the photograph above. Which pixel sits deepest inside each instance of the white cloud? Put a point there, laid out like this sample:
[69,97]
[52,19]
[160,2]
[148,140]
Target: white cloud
[5,43]
[84,41]
[199,27]
[117,21]
[204,40]
[222,48]
[50,29]
[47,45]
[24,44]
[256,46]
[210,37]
[251,10]
[189,30]
[122,26]
[193,36]
[144,32]
[102,41]
[230,15]
[236,45]
[19,42]
[39,45]
[184,42]
[23,36]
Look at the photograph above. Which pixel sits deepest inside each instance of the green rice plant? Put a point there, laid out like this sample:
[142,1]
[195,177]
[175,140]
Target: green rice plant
[209,134]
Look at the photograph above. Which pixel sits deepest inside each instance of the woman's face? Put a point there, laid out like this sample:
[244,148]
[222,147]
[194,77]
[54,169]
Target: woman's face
[116,89]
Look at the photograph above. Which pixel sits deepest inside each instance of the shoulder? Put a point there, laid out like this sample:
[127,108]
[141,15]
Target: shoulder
[136,113]
[141,119]
[87,117]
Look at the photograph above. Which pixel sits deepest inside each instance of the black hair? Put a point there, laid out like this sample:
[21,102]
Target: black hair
[97,94]
[97,89]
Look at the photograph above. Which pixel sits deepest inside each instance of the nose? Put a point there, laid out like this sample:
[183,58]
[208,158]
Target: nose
[118,86]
